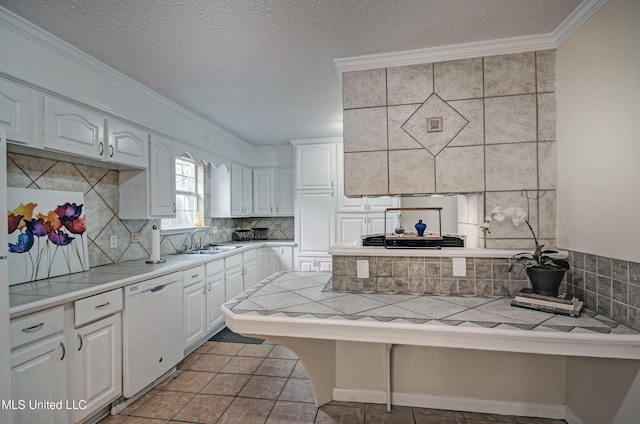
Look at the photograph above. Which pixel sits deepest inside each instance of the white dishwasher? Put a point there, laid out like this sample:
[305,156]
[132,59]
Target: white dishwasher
[152,331]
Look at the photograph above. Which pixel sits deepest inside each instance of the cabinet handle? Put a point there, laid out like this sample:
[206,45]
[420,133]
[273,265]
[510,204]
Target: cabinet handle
[174,207]
[209,283]
[277,209]
[33,328]
[101,145]
[271,209]
[195,275]
[282,250]
[111,151]
[204,289]
[104,305]
[80,338]
[64,351]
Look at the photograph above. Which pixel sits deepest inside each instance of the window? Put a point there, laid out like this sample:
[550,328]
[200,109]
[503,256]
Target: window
[186,194]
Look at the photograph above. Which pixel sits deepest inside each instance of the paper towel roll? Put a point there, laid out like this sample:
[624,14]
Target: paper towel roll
[155,244]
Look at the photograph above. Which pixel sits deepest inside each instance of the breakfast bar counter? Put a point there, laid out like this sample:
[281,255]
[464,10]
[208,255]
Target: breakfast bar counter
[465,352]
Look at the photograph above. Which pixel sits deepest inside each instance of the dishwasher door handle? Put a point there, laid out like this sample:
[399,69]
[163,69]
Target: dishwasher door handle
[158,288]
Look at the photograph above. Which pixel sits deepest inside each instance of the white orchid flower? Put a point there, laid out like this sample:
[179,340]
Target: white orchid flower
[519,216]
[498,214]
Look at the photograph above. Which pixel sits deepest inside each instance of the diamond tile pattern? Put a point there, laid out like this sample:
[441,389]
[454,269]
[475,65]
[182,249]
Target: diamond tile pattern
[434,107]
[310,295]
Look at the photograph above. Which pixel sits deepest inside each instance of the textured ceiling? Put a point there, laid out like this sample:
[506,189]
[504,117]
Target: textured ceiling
[263,69]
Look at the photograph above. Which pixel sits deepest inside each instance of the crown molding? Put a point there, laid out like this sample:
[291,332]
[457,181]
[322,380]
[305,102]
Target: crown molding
[474,49]
[323,140]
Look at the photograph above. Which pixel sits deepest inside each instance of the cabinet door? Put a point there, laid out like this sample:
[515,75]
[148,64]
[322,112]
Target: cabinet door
[284,257]
[315,166]
[264,188]
[382,203]
[250,277]
[18,112]
[97,365]
[127,145]
[316,222]
[215,299]
[284,192]
[247,190]
[351,227]
[234,282]
[194,304]
[237,207]
[377,223]
[324,265]
[162,175]
[38,373]
[72,129]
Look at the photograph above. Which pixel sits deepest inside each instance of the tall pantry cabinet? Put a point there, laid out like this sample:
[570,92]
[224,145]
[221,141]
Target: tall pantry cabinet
[315,224]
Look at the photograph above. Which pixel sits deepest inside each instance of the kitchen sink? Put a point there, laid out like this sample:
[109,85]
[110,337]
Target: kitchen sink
[210,250]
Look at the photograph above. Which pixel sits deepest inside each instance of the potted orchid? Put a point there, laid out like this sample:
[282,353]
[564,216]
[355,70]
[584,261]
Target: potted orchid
[544,268]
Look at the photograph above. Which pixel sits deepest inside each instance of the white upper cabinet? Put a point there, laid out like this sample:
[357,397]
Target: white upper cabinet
[71,129]
[241,190]
[81,132]
[264,189]
[127,145]
[315,166]
[162,178]
[273,192]
[18,112]
[285,191]
[150,193]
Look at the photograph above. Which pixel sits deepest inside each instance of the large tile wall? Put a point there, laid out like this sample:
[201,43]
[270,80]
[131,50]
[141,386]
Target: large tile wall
[497,135]
[607,285]
[101,205]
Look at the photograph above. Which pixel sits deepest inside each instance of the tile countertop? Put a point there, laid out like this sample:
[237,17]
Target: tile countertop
[303,305]
[34,296]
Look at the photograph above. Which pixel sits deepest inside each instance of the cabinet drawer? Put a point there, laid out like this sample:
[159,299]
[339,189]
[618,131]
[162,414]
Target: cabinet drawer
[36,326]
[98,306]
[193,276]
[249,255]
[232,261]
[215,267]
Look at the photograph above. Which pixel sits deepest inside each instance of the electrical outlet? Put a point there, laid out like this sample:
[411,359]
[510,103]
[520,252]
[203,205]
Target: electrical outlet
[135,237]
[113,241]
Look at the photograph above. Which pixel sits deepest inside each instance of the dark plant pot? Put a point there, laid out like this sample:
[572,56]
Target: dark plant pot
[546,281]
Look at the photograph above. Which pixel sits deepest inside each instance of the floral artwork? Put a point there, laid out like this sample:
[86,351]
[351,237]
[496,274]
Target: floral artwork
[47,234]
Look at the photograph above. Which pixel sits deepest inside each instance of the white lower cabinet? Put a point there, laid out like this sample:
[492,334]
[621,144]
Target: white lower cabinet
[215,294]
[194,302]
[96,353]
[39,356]
[274,259]
[240,273]
[314,264]
[97,366]
[352,226]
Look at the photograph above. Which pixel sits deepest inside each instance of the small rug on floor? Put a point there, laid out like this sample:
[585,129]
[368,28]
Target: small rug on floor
[227,335]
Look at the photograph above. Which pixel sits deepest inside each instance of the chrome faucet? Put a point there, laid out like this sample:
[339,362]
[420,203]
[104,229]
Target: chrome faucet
[193,241]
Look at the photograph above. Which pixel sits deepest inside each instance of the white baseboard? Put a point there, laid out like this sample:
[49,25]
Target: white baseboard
[487,406]
[571,417]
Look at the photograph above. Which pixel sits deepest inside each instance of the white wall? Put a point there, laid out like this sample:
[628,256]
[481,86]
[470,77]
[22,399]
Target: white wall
[598,98]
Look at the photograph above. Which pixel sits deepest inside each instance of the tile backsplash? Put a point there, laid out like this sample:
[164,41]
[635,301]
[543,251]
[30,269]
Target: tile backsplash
[101,197]
[607,285]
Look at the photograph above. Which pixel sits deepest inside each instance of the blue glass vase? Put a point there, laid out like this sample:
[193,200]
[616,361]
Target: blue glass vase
[420,227]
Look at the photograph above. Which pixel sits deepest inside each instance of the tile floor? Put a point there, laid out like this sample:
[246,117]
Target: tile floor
[235,383]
